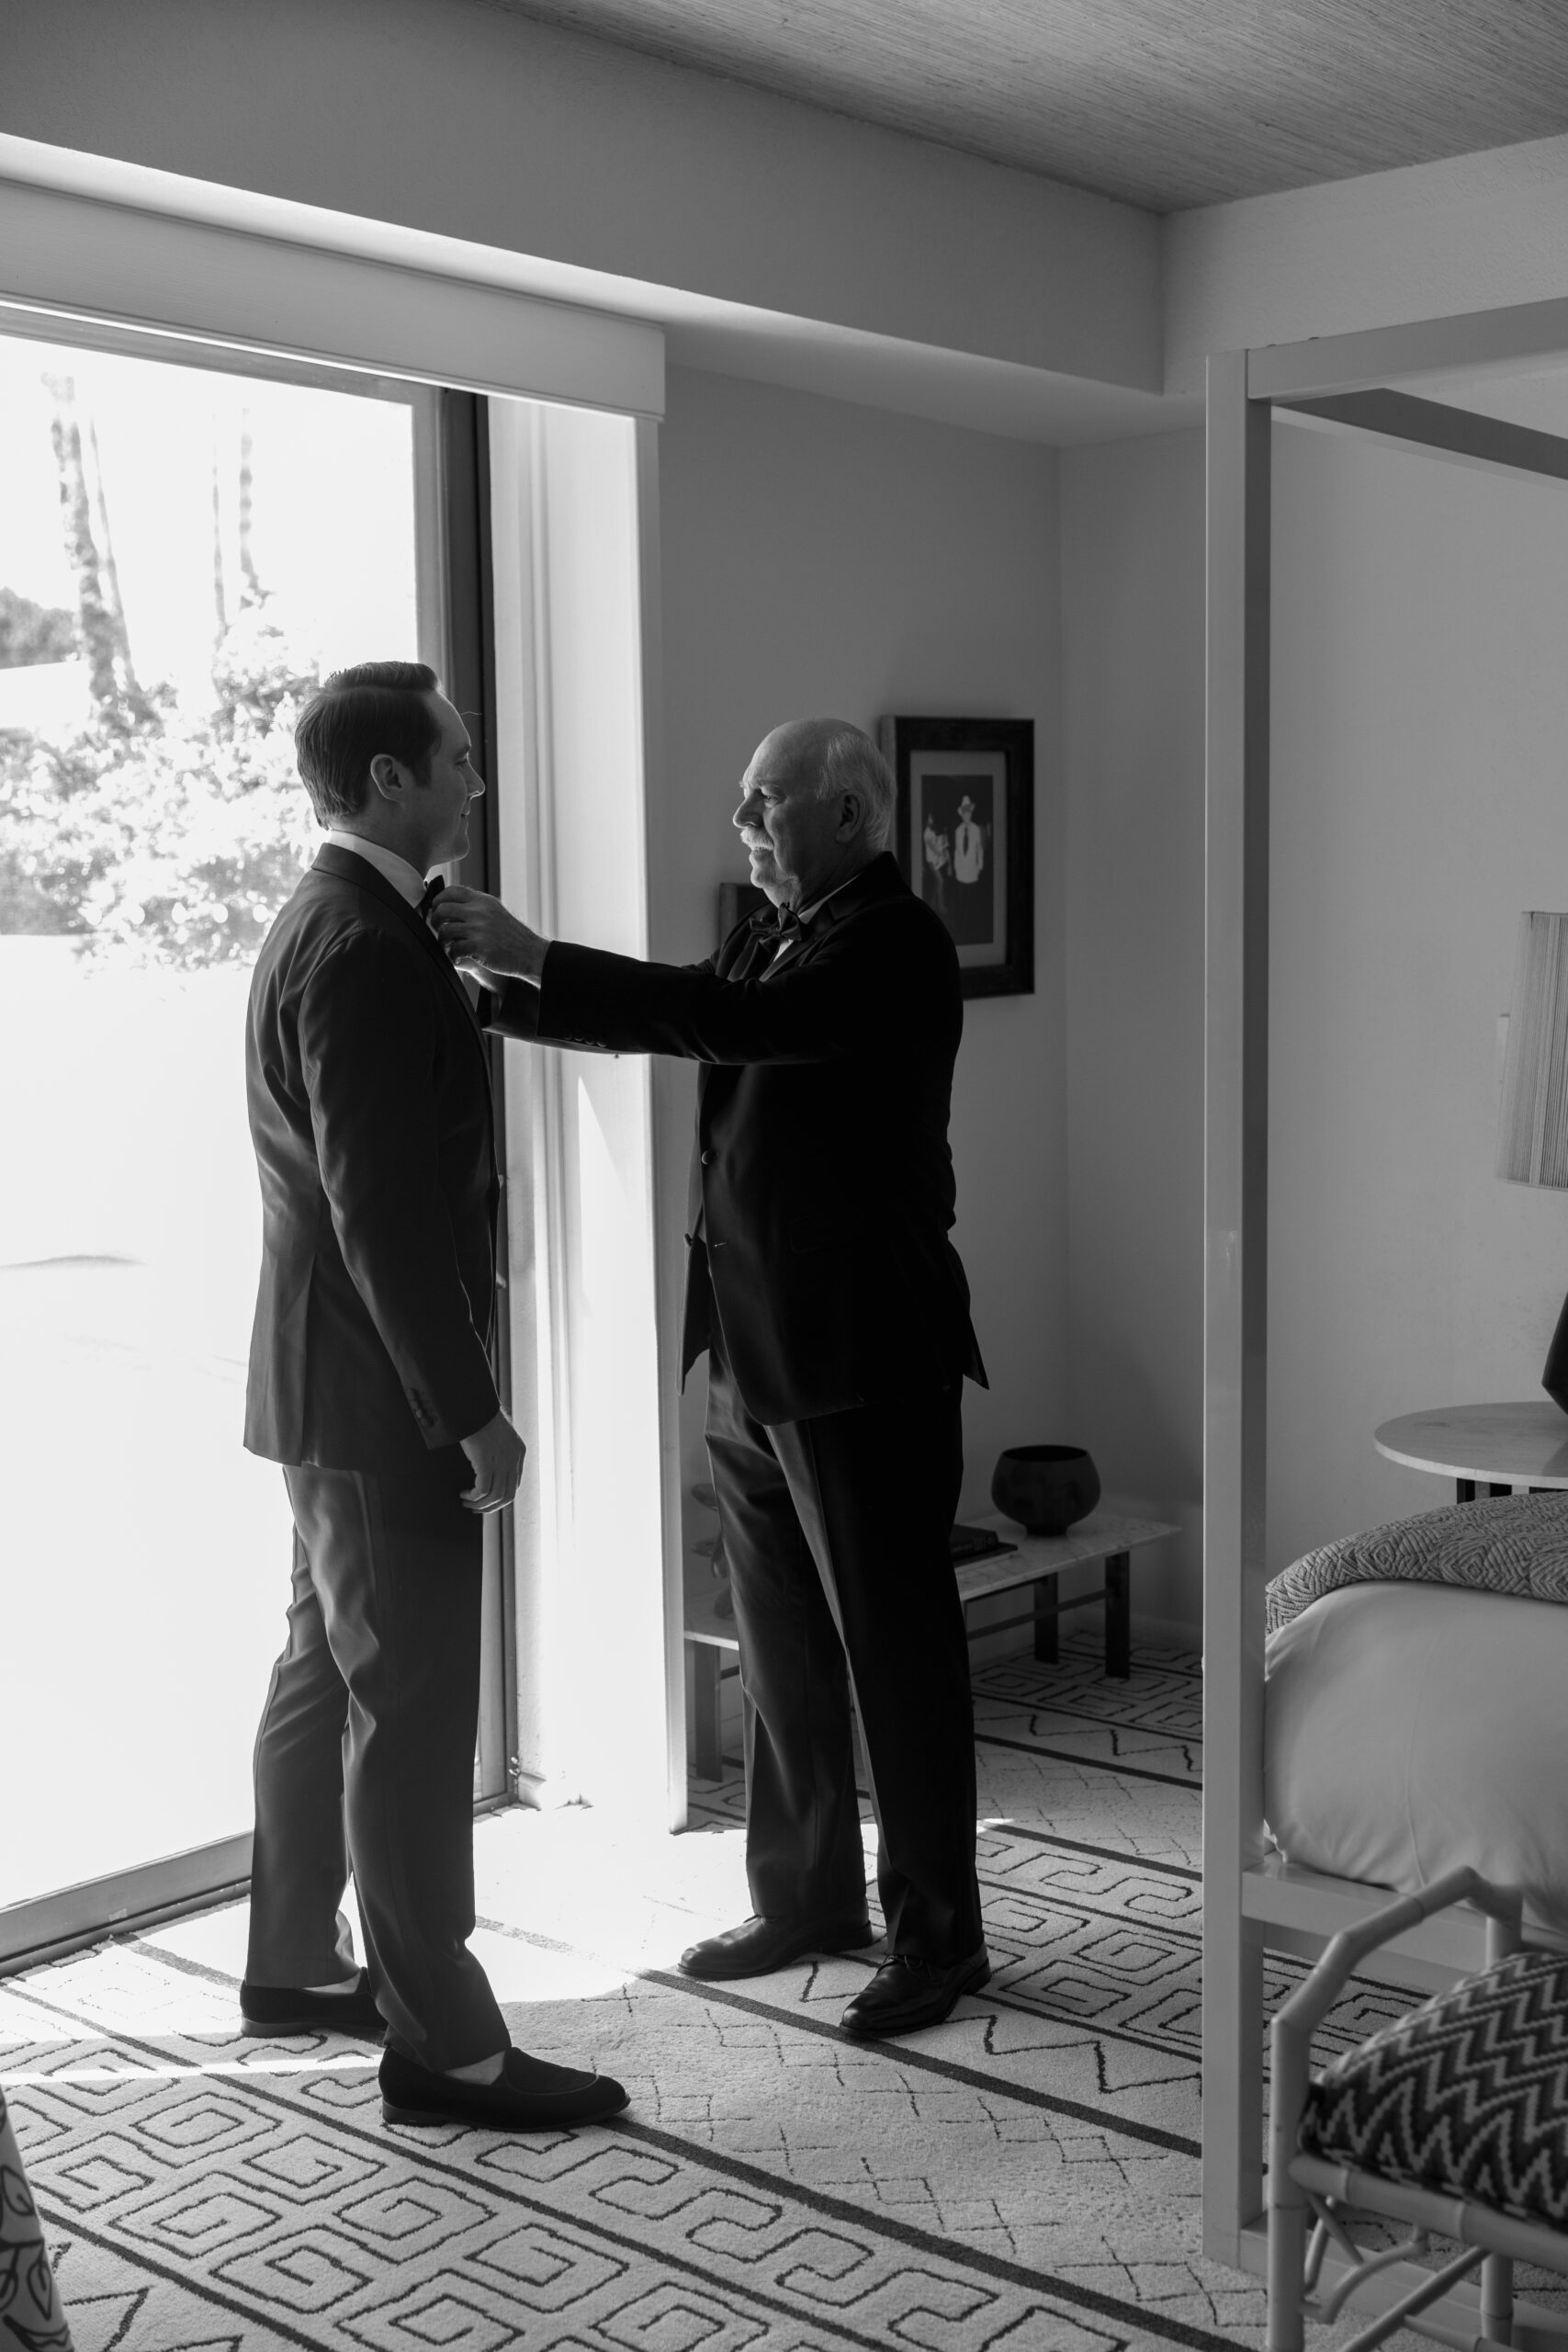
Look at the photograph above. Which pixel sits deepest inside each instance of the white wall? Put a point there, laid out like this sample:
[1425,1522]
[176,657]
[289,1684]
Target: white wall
[469,120]
[621,179]
[1469,233]
[1420,716]
[818,557]
[1133,771]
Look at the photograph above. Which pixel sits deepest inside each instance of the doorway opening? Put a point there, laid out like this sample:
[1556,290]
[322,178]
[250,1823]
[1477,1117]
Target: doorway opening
[188,545]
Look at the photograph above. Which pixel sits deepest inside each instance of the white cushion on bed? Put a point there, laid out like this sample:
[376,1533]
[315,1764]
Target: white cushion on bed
[1409,1727]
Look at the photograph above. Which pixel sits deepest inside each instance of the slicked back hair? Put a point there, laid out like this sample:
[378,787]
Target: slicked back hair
[852,762]
[375,706]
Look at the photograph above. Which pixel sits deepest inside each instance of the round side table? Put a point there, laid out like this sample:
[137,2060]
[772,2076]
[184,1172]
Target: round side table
[1507,1449]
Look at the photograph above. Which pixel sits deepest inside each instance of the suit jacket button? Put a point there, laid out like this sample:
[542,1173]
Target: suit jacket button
[707,1159]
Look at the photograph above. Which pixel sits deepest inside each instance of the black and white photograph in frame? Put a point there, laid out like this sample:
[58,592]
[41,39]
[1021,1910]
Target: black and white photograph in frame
[964,836]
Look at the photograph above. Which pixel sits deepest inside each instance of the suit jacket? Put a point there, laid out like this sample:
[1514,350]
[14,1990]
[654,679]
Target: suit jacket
[370,1112]
[822,1190]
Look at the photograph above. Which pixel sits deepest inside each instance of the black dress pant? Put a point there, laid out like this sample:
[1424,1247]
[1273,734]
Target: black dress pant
[365,1754]
[836,1531]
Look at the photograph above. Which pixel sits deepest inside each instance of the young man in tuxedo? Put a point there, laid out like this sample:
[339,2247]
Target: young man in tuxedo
[370,1383]
[836,1316]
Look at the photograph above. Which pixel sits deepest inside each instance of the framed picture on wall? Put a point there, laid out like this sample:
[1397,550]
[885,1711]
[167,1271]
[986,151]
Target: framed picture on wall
[964,836]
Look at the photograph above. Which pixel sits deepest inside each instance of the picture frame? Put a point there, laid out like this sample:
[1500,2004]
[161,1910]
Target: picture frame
[964,837]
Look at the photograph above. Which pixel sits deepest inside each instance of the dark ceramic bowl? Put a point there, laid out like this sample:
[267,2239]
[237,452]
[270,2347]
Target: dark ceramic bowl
[1046,1486]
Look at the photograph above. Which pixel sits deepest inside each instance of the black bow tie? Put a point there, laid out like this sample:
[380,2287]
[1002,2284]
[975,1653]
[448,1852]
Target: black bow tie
[432,891]
[775,922]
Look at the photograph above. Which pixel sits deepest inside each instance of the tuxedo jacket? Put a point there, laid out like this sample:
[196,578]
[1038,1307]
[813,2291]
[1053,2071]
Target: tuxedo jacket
[370,1111]
[822,1190]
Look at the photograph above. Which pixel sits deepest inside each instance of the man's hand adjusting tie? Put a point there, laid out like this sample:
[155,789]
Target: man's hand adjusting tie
[477,931]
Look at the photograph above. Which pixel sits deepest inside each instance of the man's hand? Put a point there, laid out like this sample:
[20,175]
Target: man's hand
[497,1453]
[477,931]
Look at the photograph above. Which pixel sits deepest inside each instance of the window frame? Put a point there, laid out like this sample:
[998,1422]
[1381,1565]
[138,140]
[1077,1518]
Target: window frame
[452,571]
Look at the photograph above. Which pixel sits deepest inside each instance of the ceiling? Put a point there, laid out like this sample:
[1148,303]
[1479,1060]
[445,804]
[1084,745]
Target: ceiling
[1163,103]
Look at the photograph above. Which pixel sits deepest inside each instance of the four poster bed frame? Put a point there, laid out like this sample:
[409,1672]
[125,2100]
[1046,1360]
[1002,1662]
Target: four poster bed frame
[1253,1903]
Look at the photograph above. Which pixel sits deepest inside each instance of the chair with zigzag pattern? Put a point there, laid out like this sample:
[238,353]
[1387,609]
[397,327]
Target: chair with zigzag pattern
[1453,2122]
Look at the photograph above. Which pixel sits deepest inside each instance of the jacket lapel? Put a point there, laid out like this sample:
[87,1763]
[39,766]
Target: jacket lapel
[344,867]
[756,945]
[879,879]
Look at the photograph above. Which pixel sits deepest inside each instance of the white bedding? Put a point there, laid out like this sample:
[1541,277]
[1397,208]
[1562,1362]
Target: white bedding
[1409,1727]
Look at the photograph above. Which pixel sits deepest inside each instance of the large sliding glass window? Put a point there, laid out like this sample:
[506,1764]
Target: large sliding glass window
[184,551]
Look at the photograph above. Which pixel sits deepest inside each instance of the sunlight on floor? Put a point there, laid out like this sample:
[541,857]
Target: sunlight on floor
[571,1905]
[623,1895]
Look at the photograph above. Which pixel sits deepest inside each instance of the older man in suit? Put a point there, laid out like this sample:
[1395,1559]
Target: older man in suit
[835,1313]
[370,1382]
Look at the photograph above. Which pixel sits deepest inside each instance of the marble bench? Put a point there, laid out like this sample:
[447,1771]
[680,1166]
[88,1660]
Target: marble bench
[1035,1561]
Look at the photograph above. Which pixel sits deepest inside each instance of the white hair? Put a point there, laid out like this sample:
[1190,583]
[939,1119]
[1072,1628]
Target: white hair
[852,762]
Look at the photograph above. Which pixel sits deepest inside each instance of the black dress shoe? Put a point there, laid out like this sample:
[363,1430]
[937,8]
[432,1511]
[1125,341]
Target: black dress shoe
[290,2008]
[529,2095]
[759,1946]
[907,1993]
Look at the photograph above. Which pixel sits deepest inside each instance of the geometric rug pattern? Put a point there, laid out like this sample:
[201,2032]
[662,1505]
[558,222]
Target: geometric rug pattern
[1024,2176]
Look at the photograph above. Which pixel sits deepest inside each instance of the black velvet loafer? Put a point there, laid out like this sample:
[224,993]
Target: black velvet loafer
[530,2094]
[290,2008]
[907,1993]
[759,1946]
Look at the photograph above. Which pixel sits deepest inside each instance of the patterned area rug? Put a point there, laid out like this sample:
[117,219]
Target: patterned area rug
[1025,2176]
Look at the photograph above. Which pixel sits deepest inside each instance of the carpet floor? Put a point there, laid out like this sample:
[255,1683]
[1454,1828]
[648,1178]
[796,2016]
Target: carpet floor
[1026,2176]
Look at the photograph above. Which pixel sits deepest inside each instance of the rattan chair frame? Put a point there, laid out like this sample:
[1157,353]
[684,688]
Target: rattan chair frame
[1303,2188]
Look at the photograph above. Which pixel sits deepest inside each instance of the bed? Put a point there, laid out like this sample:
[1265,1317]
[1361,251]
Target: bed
[1254,1898]
[1387,1760]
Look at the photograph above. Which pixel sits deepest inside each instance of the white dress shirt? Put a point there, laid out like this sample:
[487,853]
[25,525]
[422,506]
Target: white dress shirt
[406,880]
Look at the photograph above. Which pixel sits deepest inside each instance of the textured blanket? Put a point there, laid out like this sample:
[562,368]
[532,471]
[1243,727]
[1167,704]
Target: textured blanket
[1516,1544]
